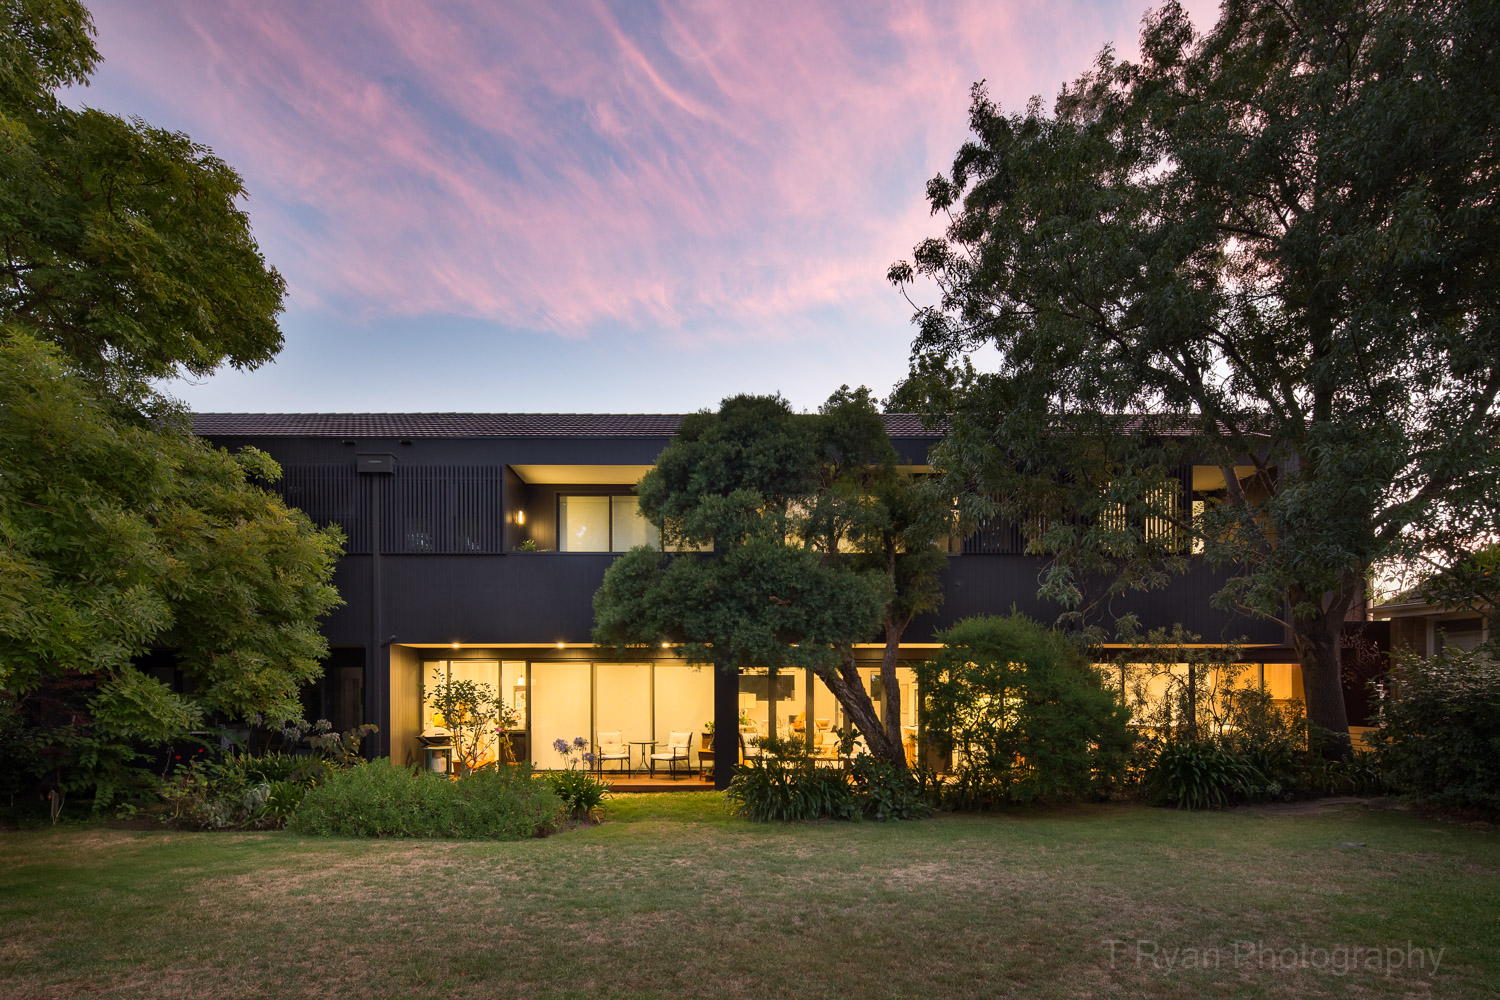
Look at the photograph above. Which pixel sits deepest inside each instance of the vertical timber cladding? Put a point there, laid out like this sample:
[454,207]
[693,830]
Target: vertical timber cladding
[430,509]
[998,536]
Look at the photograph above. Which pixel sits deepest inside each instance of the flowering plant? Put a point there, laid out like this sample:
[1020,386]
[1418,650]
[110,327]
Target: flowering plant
[574,753]
[582,793]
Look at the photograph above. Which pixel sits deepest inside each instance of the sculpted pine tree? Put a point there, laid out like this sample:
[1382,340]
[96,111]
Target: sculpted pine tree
[1270,247]
[808,551]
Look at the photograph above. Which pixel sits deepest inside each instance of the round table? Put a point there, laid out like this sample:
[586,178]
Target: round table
[643,744]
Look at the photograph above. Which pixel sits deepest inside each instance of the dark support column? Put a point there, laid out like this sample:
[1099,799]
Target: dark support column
[375,469]
[379,692]
[726,723]
[808,726]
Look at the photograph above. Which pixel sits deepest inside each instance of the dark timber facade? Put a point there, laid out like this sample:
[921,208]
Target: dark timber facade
[476,543]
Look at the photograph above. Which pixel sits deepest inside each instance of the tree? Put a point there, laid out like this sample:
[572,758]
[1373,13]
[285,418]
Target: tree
[1026,711]
[1271,246]
[873,517]
[807,559]
[126,259]
[123,244]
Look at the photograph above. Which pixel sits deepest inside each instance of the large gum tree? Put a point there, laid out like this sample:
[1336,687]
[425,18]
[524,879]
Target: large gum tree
[1269,248]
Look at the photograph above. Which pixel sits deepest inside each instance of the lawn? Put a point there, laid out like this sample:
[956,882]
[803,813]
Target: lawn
[674,898]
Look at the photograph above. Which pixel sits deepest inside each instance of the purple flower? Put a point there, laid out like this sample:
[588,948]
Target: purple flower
[561,745]
[588,758]
[580,743]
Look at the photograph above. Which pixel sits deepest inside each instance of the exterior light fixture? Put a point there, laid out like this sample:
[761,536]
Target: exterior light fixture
[520,517]
[455,645]
[666,645]
[561,645]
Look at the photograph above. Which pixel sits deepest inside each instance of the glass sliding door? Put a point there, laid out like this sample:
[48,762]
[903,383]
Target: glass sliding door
[622,704]
[561,709]
[684,704]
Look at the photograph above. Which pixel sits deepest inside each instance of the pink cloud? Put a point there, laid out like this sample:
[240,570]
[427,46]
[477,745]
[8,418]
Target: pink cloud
[720,167]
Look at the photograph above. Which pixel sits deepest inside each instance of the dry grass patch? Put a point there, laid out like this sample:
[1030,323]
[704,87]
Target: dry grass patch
[675,898]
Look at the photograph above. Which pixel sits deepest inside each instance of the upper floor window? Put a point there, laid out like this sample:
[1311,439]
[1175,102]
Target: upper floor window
[602,524]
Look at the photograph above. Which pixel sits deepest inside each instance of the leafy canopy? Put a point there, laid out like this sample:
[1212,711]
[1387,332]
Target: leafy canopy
[124,244]
[119,536]
[738,480]
[1270,246]
[127,258]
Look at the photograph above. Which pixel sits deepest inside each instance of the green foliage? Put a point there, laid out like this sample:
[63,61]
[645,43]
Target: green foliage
[887,792]
[1470,581]
[818,541]
[125,244]
[475,716]
[582,793]
[236,789]
[122,535]
[1200,776]
[374,799]
[767,789]
[1164,285]
[128,259]
[1024,713]
[1439,736]
[786,784]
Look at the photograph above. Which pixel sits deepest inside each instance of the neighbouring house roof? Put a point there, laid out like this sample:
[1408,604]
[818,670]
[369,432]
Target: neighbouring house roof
[472,425]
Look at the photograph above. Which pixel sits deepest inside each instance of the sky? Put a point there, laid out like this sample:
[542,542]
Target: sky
[578,206]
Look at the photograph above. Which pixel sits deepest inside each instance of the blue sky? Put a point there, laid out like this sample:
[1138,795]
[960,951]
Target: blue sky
[582,206]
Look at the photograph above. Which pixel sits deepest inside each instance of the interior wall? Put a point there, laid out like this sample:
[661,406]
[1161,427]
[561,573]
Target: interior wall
[560,709]
[622,701]
[684,703]
[405,706]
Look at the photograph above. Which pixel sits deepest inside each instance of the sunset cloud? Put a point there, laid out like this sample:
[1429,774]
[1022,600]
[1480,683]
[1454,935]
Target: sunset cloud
[684,170]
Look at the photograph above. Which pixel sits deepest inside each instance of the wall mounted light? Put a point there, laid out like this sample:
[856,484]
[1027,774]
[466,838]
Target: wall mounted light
[561,645]
[520,517]
[455,645]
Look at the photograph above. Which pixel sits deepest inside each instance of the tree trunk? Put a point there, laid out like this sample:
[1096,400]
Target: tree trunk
[891,686]
[1317,635]
[845,684]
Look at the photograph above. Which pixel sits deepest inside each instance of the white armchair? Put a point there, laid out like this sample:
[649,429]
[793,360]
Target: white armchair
[678,745]
[611,746]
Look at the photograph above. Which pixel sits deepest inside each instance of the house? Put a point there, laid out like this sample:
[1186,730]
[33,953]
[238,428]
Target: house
[476,541]
[1426,629]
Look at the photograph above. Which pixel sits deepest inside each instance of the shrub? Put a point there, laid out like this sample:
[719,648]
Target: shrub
[1025,713]
[582,793]
[1439,736]
[886,791]
[1201,776]
[376,799]
[785,784]
[241,790]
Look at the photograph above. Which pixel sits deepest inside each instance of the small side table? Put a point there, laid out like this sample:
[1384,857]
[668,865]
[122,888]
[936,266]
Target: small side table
[705,764]
[644,744]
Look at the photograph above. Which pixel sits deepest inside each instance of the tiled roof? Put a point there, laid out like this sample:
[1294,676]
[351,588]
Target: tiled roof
[469,425]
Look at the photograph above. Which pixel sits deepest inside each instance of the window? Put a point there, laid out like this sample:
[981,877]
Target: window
[628,528]
[1459,633]
[602,524]
[583,524]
